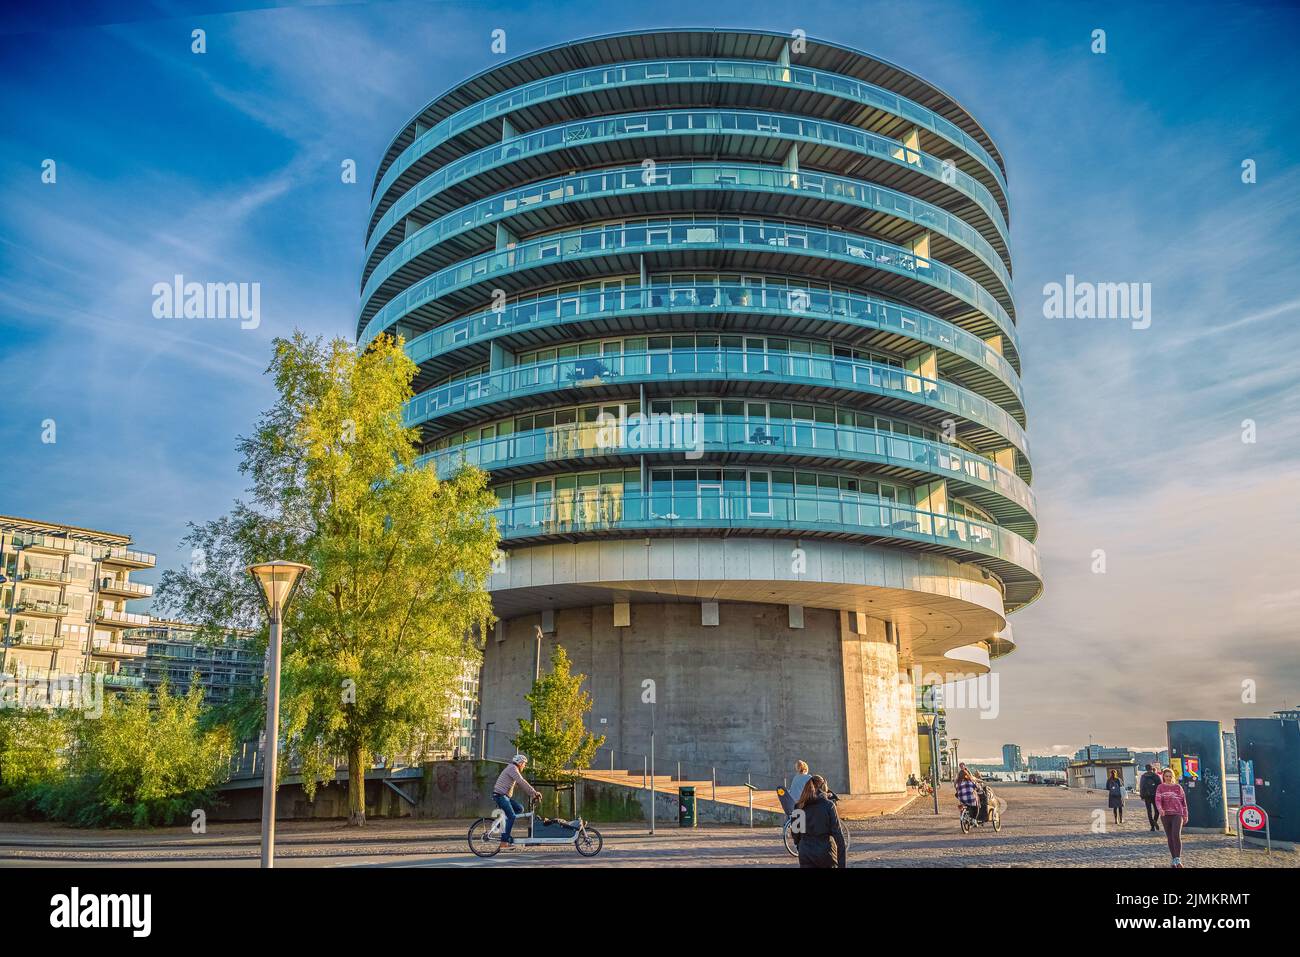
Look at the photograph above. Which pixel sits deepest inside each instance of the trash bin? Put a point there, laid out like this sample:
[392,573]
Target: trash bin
[686,806]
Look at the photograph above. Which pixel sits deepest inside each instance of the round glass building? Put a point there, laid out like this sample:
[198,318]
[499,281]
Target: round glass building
[727,317]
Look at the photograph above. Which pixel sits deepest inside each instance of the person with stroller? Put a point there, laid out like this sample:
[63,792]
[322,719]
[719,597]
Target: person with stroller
[821,823]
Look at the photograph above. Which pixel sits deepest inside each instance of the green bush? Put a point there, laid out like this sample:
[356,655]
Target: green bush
[147,760]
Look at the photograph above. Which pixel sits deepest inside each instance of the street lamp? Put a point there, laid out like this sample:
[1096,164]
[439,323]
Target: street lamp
[277,581]
[537,669]
[955,762]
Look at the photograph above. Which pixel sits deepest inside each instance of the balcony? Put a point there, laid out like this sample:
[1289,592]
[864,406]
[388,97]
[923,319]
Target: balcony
[689,243]
[121,619]
[120,587]
[44,576]
[116,649]
[122,681]
[121,555]
[45,544]
[38,606]
[728,439]
[681,72]
[36,640]
[752,373]
[804,193]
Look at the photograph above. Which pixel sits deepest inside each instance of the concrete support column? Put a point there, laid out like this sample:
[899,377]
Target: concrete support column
[873,738]
[907,719]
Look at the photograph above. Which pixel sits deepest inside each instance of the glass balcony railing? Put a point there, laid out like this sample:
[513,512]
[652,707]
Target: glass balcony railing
[122,586]
[112,680]
[44,543]
[112,617]
[48,575]
[694,510]
[837,305]
[39,606]
[704,234]
[26,639]
[683,71]
[120,553]
[686,365]
[105,646]
[670,177]
[721,434]
[631,126]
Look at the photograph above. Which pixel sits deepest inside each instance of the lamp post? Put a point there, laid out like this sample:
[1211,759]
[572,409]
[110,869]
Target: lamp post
[277,580]
[956,763]
[537,669]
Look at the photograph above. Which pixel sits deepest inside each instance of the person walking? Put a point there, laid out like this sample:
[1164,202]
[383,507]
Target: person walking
[1172,803]
[821,822]
[1147,791]
[1115,788]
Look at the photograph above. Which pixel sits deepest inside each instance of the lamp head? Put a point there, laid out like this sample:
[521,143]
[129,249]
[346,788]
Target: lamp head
[277,580]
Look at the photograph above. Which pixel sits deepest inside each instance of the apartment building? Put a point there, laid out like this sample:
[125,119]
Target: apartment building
[64,594]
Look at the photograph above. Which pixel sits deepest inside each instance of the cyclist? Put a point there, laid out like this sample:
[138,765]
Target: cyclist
[968,792]
[503,790]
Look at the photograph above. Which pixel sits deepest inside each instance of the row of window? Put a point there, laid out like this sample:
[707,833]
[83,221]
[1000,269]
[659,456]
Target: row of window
[691,493]
[757,413]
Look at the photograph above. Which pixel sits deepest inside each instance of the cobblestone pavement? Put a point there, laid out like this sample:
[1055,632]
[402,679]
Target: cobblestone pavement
[1042,827]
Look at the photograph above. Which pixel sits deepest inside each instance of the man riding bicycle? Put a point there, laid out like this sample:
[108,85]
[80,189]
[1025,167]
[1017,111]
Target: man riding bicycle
[503,790]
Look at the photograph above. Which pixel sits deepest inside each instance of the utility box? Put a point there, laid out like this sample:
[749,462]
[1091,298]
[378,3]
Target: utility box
[686,806]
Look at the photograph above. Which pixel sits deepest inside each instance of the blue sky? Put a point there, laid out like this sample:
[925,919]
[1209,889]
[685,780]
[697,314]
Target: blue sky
[1123,166]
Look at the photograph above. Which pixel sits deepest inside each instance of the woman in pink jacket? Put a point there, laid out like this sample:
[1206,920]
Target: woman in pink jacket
[1171,802]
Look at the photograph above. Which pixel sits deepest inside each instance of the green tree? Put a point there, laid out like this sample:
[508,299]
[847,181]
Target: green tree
[146,760]
[561,742]
[377,635]
[33,753]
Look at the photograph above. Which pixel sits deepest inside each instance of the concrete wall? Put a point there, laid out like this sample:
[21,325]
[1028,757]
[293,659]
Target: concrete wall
[750,694]
[461,789]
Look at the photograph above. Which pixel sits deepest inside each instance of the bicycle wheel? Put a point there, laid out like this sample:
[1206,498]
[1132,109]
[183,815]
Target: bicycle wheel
[788,837]
[966,824]
[588,842]
[848,838]
[482,842]
[996,817]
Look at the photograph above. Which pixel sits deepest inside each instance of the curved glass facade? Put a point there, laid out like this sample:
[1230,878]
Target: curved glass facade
[817,311]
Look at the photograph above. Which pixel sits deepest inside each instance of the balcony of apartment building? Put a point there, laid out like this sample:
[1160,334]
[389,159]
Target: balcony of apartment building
[118,618]
[116,648]
[44,544]
[113,679]
[30,604]
[43,575]
[28,637]
[119,586]
[121,556]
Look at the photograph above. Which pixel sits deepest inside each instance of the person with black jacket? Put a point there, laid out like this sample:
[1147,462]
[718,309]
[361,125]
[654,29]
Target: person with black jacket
[1147,791]
[821,823]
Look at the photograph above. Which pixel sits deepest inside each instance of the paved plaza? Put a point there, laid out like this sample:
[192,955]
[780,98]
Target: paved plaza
[1043,827]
